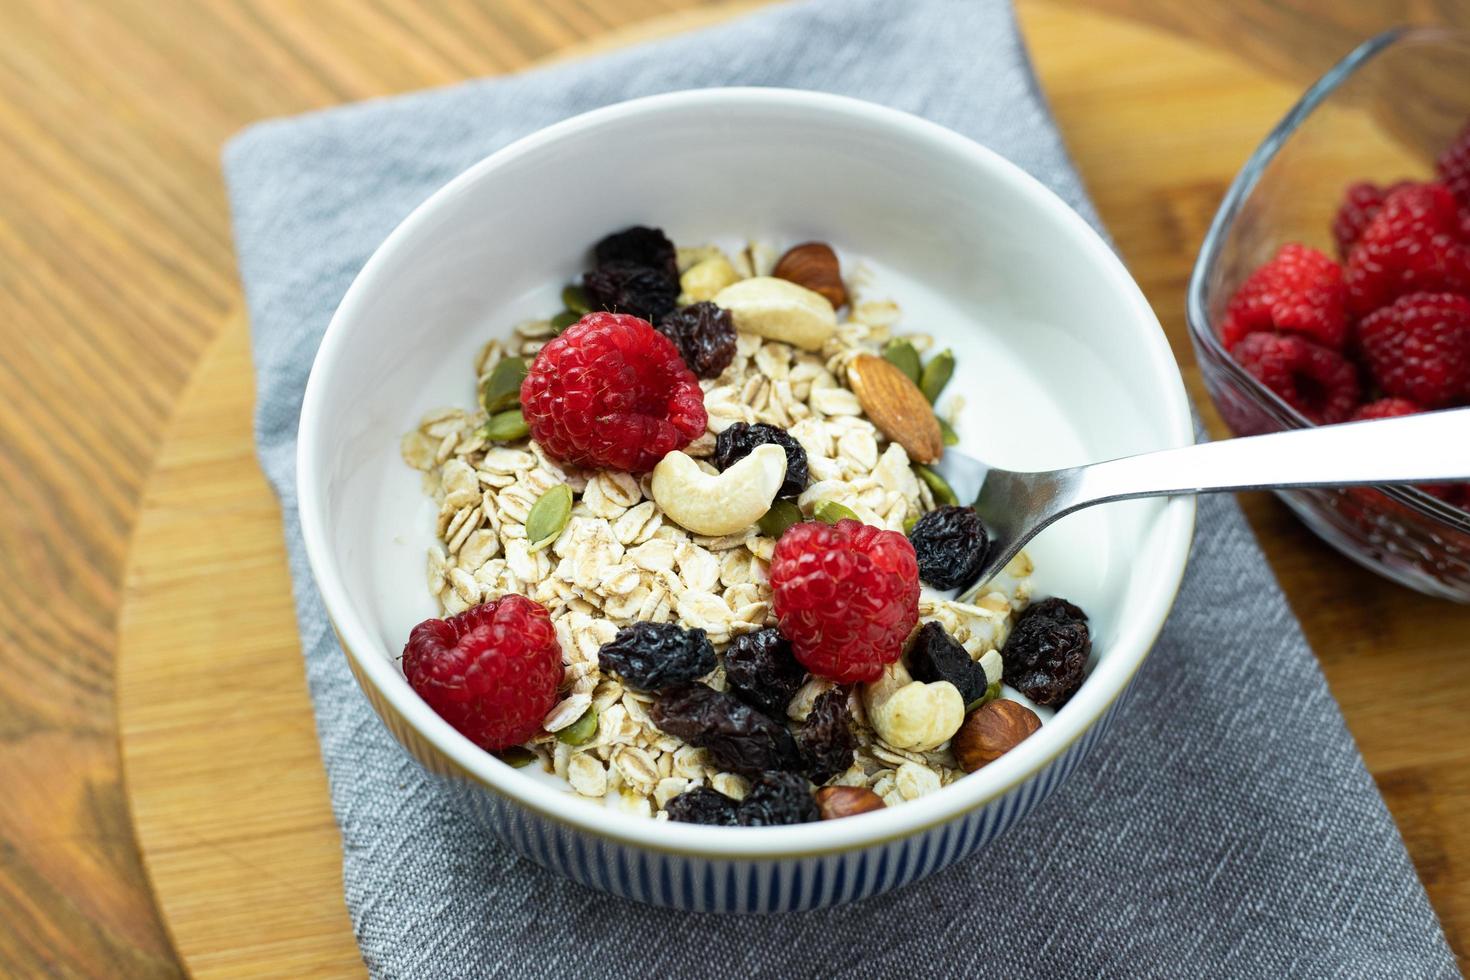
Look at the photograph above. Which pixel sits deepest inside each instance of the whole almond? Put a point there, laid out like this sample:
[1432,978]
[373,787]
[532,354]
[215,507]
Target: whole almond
[992,730]
[813,265]
[896,406]
[835,802]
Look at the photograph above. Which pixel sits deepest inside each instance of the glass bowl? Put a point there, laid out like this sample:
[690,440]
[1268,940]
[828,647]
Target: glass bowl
[1382,113]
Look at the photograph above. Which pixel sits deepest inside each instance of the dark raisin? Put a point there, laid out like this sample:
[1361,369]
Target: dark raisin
[950,544]
[739,738]
[776,799]
[702,805]
[648,247]
[737,441]
[762,671]
[621,287]
[825,738]
[705,336]
[935,656]
[653,656]
[1045,656]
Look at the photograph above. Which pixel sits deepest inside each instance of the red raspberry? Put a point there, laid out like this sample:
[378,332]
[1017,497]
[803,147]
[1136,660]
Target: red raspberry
[1419,348]
[1386,408]
[1411,245]
[846,595]
[1454,494]
[1360,202]
[491,672]
[1454,167]
[613,392]
[1317,382]
[1299,290]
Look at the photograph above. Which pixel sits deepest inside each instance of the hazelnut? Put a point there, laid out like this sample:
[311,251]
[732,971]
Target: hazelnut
[909,714]
[846,801]
[813,265]
[992,730]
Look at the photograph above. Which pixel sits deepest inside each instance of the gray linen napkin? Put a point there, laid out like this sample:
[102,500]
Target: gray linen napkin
[1227,825]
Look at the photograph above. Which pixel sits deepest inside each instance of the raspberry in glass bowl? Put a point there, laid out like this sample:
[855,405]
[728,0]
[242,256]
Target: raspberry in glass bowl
[1329,288]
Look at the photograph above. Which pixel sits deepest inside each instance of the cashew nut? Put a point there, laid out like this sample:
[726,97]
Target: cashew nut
[909,714]
[703,280]
[992,664]
[801,702]
[779,310]
[721,503]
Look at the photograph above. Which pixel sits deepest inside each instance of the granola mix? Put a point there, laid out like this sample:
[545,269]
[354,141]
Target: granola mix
[614,557]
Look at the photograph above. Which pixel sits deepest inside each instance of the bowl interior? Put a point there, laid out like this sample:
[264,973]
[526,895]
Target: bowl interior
[1060,359]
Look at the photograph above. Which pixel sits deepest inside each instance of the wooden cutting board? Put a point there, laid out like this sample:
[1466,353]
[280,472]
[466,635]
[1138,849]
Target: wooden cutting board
[223,774]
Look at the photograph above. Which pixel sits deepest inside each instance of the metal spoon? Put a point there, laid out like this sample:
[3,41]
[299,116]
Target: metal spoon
[1014,506]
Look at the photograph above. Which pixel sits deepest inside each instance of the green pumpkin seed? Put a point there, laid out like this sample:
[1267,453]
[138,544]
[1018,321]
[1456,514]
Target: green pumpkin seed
[548,516]
[564,319]
[580,731]
[943,494]
[909,522]
[575,300]
[832,512]
[902,355]
[951,438]
[936,375]
[992,691]
[779,518]
[502,389]
[506,427]
[517,756]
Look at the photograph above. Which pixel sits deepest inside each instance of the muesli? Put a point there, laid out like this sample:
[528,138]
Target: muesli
[681,542]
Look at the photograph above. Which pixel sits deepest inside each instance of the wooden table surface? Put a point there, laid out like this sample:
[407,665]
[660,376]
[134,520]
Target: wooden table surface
[118,276]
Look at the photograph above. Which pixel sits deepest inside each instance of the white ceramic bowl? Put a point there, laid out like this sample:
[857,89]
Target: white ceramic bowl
[1060,359]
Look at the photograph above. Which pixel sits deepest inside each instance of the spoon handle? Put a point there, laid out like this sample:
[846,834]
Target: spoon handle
[1426,448]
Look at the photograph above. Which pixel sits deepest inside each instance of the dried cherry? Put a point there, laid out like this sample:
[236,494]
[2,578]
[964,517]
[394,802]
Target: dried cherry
[639,245]
[705,336]
[737,442]
[621,287]
[950,544]
[1045,657]
[777,799]
[935,656]
[825,739]
[653,656]
[762,671]
[739,738]
[703,805]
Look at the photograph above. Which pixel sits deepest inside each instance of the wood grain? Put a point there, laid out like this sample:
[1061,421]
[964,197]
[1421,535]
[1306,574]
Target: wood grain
[117,276]
[116,273]
[223,769]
